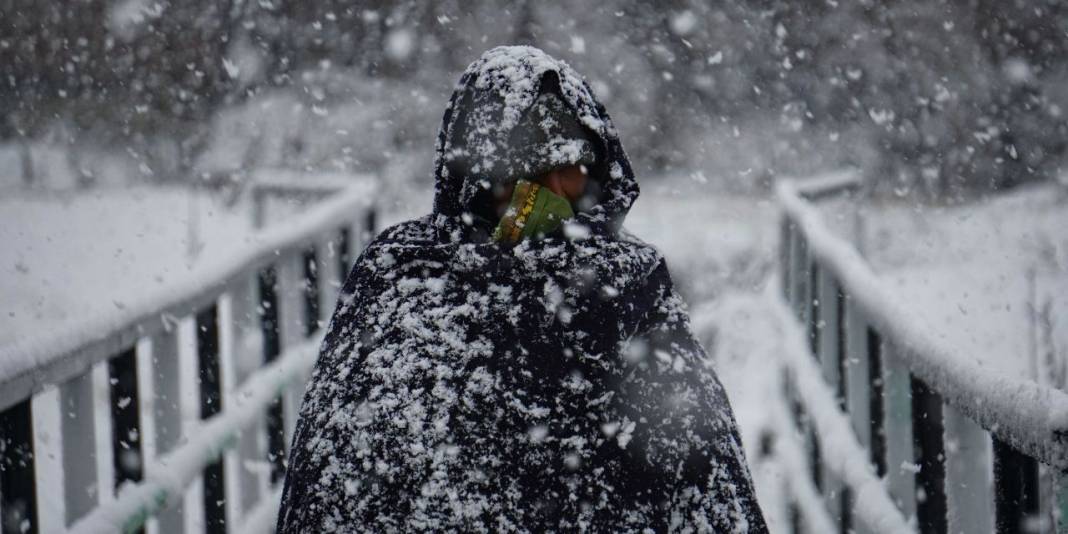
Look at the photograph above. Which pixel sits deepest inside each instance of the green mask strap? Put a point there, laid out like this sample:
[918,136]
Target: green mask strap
[533,211]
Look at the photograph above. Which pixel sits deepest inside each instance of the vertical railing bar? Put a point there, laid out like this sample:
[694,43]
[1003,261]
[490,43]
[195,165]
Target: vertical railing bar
[827,347]
[146,393]
[876,411]
[207,328]
[105,464]
[310,290]
[929,450]
[969,474]
[898,419]
[167,411]
[795,269]
[1060,501]
[344,254]
[370,225]
[843,349]
[126,448]
[814,305]
[847,511]
[295,324]
[328,277]
[269,322]
[785,242]
[245,354]
[230,372]
[1016,489]
[794,512]
[78,437]
[45,409]
[808,310]
[815,456]
[857,374]
[804,294]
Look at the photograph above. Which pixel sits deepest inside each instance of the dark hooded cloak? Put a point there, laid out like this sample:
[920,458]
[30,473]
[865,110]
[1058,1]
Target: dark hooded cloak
[553,385]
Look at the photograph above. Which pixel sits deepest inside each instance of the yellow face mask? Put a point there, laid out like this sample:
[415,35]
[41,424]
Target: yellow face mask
[533,211]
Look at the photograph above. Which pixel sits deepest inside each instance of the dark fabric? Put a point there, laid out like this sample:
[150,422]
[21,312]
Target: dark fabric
[547,136]
[550,386]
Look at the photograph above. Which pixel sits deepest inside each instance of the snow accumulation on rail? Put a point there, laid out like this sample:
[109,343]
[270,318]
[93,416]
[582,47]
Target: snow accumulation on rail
[25,361]
[165,482]
[1030,417]
[842,453]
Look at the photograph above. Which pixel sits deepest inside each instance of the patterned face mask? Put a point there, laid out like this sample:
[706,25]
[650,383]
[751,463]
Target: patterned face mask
[533,211]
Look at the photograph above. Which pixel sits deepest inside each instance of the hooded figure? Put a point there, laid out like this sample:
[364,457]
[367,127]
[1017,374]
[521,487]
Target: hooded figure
[550,384]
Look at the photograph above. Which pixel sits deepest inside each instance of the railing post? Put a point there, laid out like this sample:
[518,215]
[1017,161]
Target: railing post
[835,493]
[807,310]
[803,292]
[370,226]
[897,401]
[856,372]
[832,302]
[293,325]
[796,259]
[272,347]
[78,436]
[1060,501]
[105,461]
[245,348]
[1047,498]
[969,474]
[167,412]
[1016,489]
[209,371]
[797,415]
[18,502]
[345,252]
[928,440]
[876,401]
[311,291]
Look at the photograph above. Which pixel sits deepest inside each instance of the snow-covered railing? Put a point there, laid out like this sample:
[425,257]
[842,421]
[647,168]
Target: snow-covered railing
[958,447]
[174,413]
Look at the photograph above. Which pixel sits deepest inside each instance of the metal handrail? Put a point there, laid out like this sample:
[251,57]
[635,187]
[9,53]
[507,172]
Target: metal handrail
[1028,416]
[912,398]
[242,337]
[850,463]
[28,367]
[164,487]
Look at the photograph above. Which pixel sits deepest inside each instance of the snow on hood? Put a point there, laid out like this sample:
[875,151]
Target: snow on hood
[515,73]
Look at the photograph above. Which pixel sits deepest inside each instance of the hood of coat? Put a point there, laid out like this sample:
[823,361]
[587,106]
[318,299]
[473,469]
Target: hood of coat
[506,81]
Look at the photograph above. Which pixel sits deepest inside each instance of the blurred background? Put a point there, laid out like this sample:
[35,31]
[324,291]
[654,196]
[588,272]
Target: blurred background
[941,100]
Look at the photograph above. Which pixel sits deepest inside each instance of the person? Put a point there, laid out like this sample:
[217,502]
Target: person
[516,361]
